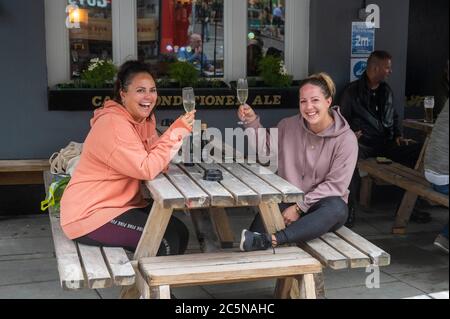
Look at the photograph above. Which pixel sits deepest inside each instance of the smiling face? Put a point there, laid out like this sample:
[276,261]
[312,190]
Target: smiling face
[140,96]
[314,107]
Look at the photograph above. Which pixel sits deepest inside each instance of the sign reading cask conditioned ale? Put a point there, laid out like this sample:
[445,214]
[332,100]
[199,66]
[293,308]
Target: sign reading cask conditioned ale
[217,98]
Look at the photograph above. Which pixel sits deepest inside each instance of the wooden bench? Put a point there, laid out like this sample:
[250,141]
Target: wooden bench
[22,172]
[401,176]
[162,273]
[81,266]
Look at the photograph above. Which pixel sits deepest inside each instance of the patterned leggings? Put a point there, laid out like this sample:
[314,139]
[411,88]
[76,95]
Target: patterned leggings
[126,230]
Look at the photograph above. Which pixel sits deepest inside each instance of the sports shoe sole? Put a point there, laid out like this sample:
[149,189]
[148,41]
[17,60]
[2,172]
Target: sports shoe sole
[241,245]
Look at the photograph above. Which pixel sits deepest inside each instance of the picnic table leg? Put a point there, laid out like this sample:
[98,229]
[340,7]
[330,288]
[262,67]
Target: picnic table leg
[307,286]
[409,199]
[273,221]
[404,213]
[148,245]
[204,230]
[366,191]
[221,224]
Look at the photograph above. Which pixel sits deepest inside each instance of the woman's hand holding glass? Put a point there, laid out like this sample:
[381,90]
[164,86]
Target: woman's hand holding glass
[188,118]
[246,114]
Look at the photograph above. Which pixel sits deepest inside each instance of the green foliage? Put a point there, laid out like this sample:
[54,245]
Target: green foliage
[273,72]
[99,74]
[184,73]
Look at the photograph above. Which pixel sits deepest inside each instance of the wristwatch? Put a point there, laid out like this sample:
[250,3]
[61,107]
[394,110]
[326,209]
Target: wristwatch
[297,209]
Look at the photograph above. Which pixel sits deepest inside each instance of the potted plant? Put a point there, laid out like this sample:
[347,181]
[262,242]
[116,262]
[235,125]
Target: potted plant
[274,87]
[210,93]
[86,93]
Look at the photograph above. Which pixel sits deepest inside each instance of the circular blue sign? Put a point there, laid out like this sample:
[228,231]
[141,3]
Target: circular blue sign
[359,68]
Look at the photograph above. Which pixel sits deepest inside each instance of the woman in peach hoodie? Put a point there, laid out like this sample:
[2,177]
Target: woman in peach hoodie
[103,205]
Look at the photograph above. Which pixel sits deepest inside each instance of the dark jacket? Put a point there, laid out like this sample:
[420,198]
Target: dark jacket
[378,128]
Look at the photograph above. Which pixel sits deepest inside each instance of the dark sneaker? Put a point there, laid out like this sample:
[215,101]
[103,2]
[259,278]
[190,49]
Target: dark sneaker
[441,242]
[251,241]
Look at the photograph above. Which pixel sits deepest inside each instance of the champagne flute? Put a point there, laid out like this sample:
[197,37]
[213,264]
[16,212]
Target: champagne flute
[188,99]
[189,105]
[242,94]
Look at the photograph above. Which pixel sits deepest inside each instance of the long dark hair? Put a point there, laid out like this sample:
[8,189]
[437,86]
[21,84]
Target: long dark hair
[125,75]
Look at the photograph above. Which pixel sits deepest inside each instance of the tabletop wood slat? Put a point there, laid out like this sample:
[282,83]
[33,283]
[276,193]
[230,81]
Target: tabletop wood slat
[418,125]
[219,196]
[267,192]
[194,195]
[243,195]
[164,192]
[291,194]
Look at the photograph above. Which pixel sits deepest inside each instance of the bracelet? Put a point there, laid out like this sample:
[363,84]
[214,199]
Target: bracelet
[297,209]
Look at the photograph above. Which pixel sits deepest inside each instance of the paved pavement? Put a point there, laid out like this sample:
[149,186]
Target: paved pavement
[28,266]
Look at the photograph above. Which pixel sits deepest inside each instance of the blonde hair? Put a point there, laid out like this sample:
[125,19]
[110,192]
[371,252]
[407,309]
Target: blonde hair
[322,80]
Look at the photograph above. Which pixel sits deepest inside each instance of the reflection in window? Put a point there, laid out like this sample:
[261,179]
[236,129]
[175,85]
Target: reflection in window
[189,30]
[90,33]
[148,30]
[265,31]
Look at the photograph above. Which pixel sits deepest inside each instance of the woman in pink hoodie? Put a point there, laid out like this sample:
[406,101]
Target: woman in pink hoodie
[103,205]
[317,152]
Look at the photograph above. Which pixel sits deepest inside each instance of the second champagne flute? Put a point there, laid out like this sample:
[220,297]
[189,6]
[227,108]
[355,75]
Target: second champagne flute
[242,94]
[188,99]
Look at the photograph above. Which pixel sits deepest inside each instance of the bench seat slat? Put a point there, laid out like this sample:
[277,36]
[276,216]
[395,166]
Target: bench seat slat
[95,267]
[39,165]
[355,257]
[193,260]
[228,267]
[69,266]
[377,255]
[119,266]
[329,256]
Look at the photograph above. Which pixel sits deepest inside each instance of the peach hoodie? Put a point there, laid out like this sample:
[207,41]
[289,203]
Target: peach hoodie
[117,154]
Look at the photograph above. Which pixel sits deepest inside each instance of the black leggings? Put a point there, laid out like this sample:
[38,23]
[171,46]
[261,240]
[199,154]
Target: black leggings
[328,214]
[126,230]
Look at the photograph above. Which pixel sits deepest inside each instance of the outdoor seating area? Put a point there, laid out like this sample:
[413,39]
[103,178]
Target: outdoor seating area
[30,268]
[175,154]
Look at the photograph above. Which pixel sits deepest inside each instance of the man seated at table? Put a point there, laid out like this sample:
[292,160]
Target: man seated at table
[368,106]
[194,54]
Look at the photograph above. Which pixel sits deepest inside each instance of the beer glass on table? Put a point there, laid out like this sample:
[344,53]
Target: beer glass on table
[428,104]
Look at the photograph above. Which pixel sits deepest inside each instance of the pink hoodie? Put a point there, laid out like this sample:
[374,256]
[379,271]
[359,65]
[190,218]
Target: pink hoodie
[321,164]
[117,154]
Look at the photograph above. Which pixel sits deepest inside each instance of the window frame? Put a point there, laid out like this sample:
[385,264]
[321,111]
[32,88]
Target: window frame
[124,42]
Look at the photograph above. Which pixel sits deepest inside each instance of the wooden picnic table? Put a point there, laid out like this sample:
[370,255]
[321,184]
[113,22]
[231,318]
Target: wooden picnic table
[183,188]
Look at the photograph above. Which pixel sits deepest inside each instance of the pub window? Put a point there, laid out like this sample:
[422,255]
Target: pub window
[90,33]
[266,25]
[183,30]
